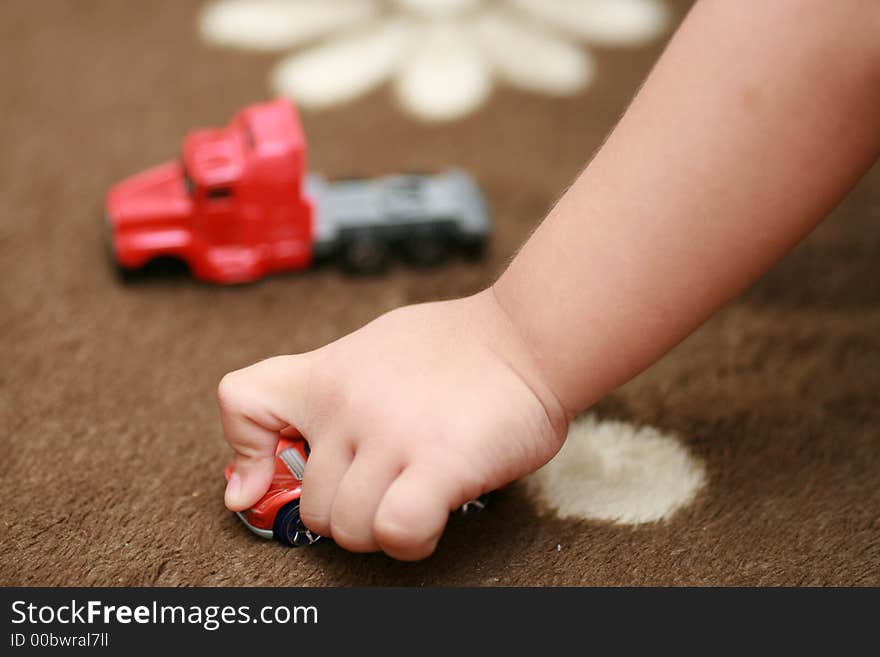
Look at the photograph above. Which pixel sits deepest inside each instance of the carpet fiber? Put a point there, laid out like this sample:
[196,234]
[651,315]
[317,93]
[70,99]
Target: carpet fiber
[112,456]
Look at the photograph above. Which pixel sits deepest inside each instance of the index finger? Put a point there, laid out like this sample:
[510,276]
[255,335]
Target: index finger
[256,404]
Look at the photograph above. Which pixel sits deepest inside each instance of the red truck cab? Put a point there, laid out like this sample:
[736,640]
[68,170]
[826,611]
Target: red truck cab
[232,208]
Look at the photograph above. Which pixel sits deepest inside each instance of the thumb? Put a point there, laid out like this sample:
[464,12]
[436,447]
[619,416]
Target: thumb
[256,404]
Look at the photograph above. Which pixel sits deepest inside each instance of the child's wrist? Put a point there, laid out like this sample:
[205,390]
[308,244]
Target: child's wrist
[510,343]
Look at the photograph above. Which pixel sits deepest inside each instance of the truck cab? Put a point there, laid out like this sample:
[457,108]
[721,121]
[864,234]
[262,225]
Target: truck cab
[232,207]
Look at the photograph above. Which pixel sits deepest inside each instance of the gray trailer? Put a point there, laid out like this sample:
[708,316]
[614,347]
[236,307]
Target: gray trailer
[423,219]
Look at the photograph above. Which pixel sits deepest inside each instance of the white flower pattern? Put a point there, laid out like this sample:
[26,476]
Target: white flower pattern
[442,56]
[617,472]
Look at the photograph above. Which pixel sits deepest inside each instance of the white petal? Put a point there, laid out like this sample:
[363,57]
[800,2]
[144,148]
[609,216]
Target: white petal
[446,76]
[278,24]
[603,22]
[532,58]
[438,7]
[617,472]
[344,68]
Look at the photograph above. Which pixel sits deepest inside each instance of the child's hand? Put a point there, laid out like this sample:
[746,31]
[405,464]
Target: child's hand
[418,412]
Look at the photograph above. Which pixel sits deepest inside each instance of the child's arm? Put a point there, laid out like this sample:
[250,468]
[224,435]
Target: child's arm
[756,121]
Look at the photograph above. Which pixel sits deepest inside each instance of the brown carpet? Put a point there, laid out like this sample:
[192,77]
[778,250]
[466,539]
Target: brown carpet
[112,457]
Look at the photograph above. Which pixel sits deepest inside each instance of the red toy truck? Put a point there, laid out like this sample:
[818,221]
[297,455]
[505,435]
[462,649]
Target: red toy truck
[239,204]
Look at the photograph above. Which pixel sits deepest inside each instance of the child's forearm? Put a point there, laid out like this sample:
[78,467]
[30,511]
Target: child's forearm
[757,120]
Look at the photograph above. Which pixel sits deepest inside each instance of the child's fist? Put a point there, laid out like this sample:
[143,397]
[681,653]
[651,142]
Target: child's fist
[407,418]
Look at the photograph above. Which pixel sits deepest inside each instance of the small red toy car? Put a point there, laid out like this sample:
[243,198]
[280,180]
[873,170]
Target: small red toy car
[276,514]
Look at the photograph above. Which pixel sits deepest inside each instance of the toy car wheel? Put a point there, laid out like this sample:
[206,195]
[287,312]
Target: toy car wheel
[289,529]
[365,255]
[475,505]
[426,247]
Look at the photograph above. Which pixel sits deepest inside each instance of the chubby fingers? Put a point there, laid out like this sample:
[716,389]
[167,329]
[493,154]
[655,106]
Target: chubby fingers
[370,499]
[256,404]
[358,496]
[328,462]
[413,512]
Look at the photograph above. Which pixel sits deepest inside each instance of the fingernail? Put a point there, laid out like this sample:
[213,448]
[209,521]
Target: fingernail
[233,488]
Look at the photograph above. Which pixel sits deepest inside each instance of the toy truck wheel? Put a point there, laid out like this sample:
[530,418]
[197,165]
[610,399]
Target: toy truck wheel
[472,248]
[426,247]
[288,529]
[364,254]
[124,274]
[158,268]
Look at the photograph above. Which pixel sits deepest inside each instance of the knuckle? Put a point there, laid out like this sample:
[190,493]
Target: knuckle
[328,394]
[352,541]
[349,536]
[397,535]
[466,479]
[314,520]
[228,390]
